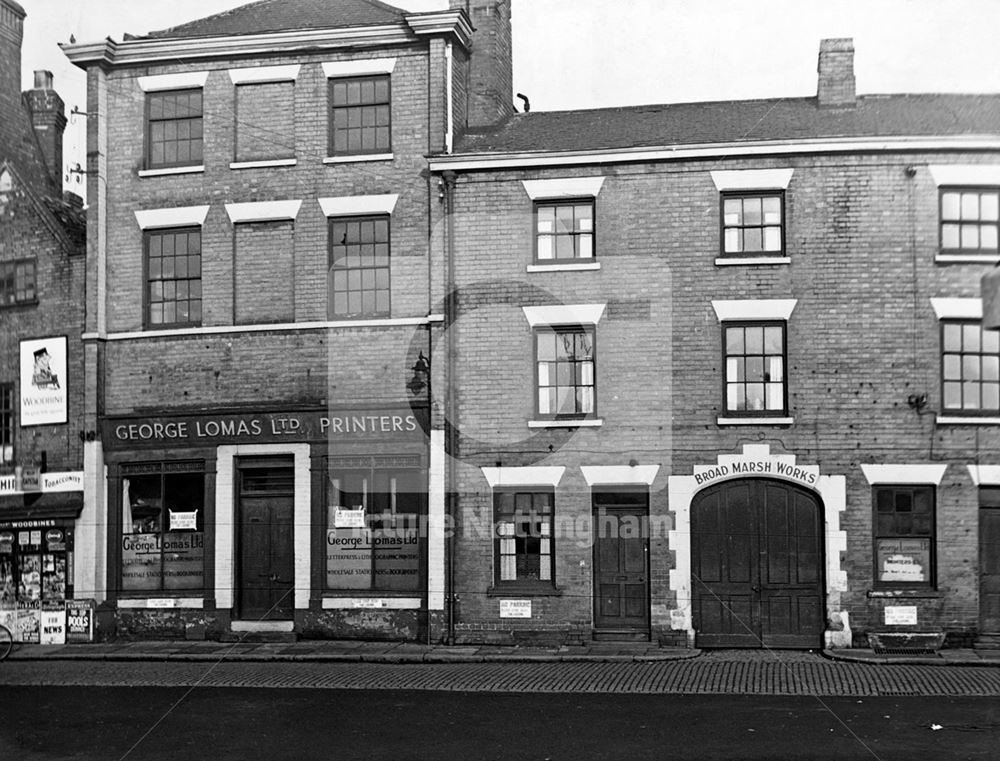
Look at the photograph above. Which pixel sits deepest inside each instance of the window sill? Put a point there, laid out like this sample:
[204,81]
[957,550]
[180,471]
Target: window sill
[154,603]
[755,420]
[16,304]
[171,170]
[580,423]
[960,420]
[353,159]
[730,261]
[262,164]
[967,258]
[567,267]
[904,594]
[527,590]
[373,600]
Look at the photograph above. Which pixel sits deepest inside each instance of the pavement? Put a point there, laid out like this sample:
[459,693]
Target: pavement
[356,651]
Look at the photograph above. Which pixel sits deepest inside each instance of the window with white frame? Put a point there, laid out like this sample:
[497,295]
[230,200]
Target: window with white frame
[755,369]
[969,220]
[565,362]
[970,368]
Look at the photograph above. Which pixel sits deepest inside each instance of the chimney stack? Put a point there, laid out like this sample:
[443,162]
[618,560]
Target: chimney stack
[11,33]
[836,73]
[47,117]
[490,77]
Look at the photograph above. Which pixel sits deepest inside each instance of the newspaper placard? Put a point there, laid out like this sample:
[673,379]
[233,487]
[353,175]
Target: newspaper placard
[29,621]
[80,620]
[53,623]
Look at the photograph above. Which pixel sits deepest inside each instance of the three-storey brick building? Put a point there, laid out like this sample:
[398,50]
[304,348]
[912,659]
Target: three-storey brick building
[720,373]
[260,303]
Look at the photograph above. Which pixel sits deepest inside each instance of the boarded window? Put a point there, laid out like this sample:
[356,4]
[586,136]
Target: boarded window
[264,279]
[265,121]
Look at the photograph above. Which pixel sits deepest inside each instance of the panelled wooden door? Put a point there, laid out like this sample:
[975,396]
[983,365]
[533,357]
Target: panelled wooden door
[756,566]
[621,568]
[989,570]
[266,560]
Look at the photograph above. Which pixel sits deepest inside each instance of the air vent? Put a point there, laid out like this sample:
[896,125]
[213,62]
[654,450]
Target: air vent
[903,651]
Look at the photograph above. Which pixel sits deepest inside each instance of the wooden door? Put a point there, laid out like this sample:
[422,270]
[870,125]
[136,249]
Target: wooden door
[756,566]
[266,561]
[989,570]
[621,570]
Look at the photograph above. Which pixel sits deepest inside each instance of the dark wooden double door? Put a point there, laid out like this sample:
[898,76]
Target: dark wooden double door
[989,561]
[266,565]
[621,566]
[756,566]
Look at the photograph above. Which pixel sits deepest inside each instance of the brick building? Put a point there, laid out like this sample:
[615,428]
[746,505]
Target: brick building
[260,304]
[719,373]
[705,373]
[41,319]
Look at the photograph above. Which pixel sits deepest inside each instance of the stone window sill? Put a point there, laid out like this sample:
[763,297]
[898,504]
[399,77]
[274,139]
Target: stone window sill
[527,590]
[569,423]
[262,164]
[755,420]
[904,594]
[565,267]
[171,170]
[729,261]
[962,420]
[353,159]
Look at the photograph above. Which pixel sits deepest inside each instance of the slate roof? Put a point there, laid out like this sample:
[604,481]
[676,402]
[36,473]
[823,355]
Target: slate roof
[283,15]
[737,121]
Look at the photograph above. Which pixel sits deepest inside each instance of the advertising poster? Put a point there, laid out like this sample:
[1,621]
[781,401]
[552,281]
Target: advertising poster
[43,381]
[8,617]
[53,623]
[80,621]
[29,621]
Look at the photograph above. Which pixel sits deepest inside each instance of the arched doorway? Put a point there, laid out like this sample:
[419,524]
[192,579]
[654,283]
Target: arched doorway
[757,565]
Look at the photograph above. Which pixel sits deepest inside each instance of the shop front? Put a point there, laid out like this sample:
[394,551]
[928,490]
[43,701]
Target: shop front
[38,513]
[305,522]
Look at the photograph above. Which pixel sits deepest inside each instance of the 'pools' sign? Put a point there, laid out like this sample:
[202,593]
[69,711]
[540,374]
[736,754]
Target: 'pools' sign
[263,427]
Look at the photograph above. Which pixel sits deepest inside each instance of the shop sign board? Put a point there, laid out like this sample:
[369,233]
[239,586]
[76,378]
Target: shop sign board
[53,622]
[43,381]
[905,560]
[31,479]
[771,466]
[900,615]
[80,620]
[515,609]
[264,427]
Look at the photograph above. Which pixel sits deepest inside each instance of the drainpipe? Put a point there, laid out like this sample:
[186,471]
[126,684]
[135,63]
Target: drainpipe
[449,135]
[451,401]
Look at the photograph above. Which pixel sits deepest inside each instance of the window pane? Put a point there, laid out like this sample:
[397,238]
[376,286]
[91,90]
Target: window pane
[970,367]
[988,209]
[952,395]
[731,208]
[775,396]
[970,396]
[952,367]
[586,247]
[755,340]
[546,219]
[970,236]
[546,346]
[732,241]
[755,396]
[970,206]
[772,340]
[585,400]
[734,340]
[734,397]
[755,368]
[734,369]
[950,206]
[772,238]
[775,369]
[543,402]
[952,337]
[991,341]
[991,368]
[970,337]
[991,396]
[545,250]
[543,374]
[752,211]
[988,237]
[949,236]
[772,210]
[753,239]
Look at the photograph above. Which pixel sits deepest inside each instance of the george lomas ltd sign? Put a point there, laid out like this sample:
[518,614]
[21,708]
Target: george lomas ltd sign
[262,427]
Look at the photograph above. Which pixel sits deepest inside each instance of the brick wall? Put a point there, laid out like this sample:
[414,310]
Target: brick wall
[862,236]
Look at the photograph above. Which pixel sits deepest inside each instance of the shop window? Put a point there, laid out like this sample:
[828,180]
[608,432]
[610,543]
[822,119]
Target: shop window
[174,128]
[753,225]
[360,115]
[163,535]
[969,220]
[173,277]
[565,372]
[359,267]
[17,282]
[904,535]
[523,545]
[374,531]
[35,563]
[564,231]
[755,369]
[970,369]
[6,423]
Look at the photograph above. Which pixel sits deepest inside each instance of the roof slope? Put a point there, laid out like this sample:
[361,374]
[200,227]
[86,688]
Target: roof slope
[738,121]
[281,15]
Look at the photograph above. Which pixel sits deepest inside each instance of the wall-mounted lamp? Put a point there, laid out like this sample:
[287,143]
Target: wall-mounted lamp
[421,375]
[917,401]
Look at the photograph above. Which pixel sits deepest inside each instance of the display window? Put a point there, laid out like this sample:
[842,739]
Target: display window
[163,535]
[375,524]
[35,563]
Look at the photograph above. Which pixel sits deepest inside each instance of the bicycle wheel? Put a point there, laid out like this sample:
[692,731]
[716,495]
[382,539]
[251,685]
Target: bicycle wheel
[6,642]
